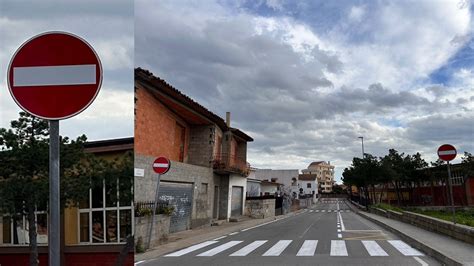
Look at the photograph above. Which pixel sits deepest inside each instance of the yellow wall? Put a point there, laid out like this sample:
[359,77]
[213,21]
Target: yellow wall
[70,226]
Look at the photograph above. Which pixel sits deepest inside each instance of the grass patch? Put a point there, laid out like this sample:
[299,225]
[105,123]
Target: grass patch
[462,217]
[387,207]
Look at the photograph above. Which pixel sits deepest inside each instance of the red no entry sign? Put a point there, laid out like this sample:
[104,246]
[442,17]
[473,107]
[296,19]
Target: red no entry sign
[161,165]
[54,75]
[447,152]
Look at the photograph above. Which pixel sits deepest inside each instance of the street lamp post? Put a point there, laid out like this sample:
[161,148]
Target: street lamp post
[365,192]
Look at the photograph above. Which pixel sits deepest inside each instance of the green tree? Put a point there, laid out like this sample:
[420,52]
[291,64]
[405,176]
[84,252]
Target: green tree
[24,173]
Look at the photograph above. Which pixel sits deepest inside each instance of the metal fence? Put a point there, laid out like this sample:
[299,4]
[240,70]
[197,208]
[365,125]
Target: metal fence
[144,208]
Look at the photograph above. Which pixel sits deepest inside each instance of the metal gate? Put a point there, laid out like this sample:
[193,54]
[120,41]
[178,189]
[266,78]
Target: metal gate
[236,201]
[180,196]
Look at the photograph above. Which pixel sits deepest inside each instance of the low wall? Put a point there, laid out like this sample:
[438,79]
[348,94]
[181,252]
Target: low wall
[457,231]
[160,231]
[260,208]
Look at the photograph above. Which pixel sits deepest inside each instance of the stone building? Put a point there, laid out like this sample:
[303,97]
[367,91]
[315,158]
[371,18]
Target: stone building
[325,175]
[207,178]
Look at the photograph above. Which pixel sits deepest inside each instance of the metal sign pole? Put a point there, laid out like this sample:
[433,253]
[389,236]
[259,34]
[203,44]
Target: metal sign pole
[54,221]
[154,212]
[451,194]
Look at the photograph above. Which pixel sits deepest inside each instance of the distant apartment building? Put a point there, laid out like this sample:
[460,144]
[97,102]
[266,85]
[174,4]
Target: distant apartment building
[207,179]
[324,172]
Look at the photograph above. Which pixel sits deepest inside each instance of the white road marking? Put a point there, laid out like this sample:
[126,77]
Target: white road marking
[54,75]
[323,210]
[190,249]
[219,238]
[308,248]
[243,230]
[278,248]
[234,233]
[422,262]
[404,248]
[338,230]
[317,210]
[138,262]
[373,248]
[219,249]
[338,226]
[338,248]
[339,235]
[311,211]
[342,222]
[249,248]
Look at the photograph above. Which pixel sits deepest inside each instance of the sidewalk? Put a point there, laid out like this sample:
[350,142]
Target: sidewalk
[443,248]
[187,238]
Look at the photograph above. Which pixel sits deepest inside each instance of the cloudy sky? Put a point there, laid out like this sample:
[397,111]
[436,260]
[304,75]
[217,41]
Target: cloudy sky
[108,25]
[307,78]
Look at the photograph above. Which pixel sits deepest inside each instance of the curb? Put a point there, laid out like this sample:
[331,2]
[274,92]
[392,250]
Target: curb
[414,242]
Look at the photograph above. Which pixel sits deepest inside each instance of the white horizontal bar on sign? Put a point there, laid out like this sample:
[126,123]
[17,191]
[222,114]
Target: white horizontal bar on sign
[161,165]
[54,75]
[450,152]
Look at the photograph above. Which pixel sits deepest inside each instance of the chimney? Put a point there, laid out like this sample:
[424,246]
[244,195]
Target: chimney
[227,118]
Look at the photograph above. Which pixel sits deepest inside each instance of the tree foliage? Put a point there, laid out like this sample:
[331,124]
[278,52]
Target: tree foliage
[24,172]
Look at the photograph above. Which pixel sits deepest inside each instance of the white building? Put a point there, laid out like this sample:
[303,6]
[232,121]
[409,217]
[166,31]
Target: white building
[307,185]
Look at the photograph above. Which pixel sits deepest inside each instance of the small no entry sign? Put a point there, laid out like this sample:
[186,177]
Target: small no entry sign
[54,75]
[161,165]
[447,152]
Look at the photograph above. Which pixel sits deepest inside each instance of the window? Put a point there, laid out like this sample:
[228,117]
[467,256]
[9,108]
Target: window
[308,185]
[16,231]
[106,217]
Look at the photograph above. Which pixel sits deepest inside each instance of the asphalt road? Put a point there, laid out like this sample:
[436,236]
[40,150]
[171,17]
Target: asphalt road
[326,234]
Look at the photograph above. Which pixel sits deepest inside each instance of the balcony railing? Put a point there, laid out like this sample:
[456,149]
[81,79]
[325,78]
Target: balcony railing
[226,163]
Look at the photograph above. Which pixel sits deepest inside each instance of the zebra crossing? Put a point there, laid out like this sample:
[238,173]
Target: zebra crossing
[329,210]
[338,248]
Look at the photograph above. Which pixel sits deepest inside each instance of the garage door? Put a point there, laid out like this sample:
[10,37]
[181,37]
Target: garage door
[180,196]
[236,201]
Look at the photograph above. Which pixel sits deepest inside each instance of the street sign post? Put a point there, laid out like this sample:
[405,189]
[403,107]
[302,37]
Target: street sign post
[54,76]
[447,153]
[161,166]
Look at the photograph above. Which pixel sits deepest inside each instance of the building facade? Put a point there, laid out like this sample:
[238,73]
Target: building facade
[307,186]
[324,172]
[207,177]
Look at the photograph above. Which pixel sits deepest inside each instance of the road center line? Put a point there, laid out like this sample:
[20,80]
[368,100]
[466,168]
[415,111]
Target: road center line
[342,222]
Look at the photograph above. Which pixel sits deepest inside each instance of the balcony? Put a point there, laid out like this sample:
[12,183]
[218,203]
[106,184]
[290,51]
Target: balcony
[227,164]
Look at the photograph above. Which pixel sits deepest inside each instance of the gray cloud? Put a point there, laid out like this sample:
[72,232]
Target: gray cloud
[108,26]
[284,98]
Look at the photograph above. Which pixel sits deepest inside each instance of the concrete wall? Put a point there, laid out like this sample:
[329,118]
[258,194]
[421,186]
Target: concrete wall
[261,208]
[160,229]
[282,176]
[458,231]
[144,187]
[201,145]
[240,181]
